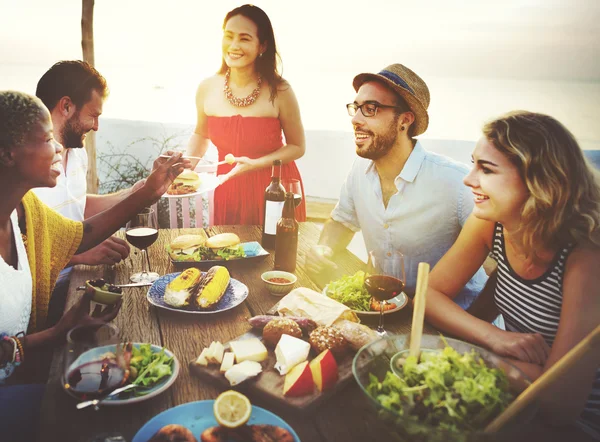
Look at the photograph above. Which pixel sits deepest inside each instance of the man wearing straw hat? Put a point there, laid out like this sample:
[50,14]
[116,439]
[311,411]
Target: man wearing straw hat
[402,197]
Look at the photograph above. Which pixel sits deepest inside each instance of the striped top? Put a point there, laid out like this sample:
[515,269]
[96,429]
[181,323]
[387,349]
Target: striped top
[534,306]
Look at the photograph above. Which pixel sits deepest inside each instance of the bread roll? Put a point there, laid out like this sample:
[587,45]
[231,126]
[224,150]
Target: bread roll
[279,326]
[188,241]
[357,335]
[327,337]
[222,240]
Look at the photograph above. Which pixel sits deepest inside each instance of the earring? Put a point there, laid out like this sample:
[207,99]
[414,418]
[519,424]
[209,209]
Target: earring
[260,55]
[402,128]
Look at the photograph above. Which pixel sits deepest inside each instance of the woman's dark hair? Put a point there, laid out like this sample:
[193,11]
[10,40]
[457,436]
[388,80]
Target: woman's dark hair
[74,79]
[267,64]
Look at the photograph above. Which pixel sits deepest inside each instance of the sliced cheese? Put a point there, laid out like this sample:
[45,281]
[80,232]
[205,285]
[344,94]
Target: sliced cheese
[228,360]
[218,353]
[290,351]
[242,371]
[202,358]
[249,350]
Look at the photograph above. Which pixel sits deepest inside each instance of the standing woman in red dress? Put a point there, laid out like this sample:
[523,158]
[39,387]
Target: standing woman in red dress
[243,110]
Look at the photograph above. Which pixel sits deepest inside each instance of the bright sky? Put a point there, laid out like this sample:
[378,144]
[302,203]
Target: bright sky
[146,48]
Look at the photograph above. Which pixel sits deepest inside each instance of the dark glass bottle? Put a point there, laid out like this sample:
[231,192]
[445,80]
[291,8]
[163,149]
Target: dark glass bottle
[273,208]
[286,244]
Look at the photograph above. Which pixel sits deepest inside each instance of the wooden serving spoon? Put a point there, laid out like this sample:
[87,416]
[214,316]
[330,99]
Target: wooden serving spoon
[416,331]
[589,343]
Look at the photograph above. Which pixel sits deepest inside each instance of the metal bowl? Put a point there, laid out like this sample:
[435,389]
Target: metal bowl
[376,359]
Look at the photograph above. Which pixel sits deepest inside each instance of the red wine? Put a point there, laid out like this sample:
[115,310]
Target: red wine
[141,237]
[297,199]
[95,379]
[382,287]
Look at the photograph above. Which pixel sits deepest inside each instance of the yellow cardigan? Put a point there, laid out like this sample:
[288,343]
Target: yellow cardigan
[51,241]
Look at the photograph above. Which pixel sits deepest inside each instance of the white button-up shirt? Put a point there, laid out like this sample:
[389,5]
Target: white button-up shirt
[422,220]
[69,195]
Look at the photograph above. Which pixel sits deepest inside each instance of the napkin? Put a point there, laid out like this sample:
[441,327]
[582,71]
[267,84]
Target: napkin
[307,303]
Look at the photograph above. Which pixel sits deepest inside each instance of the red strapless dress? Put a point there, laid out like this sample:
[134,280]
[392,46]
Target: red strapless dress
[241,199]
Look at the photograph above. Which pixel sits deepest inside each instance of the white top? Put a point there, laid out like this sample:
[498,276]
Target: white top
[422,220]
[15,293]
[69,194]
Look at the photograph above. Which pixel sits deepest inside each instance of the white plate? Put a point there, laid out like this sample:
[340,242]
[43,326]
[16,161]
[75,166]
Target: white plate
[147,392]
[401,301]
[209,182]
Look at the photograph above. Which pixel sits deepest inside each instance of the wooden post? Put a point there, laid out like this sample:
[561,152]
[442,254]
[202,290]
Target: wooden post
[87,46]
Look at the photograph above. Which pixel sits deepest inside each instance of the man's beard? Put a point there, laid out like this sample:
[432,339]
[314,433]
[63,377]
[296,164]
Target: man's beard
[72,133]
[380,144]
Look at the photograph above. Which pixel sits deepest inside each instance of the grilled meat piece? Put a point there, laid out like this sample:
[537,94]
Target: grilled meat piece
[247,433]
[173,433]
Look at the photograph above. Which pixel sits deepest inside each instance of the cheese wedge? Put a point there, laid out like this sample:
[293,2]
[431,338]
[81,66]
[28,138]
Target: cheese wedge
[290,351]
[202,358]
[242,371]
[228,361]
[249,350]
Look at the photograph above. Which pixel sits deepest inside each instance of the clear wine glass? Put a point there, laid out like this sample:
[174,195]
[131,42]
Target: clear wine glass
[293,185]
[141,232]
[90,371]
[385,279]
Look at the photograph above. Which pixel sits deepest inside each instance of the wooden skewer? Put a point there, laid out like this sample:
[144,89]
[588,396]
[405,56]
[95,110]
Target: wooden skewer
[532,392]
[189,157]
[416,331]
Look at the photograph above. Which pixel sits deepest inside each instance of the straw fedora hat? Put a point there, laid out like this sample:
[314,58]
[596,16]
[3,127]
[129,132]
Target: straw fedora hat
[408,85]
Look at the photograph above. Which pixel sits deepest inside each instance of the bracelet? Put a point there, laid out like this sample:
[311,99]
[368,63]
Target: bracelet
[20,356]
[5,337]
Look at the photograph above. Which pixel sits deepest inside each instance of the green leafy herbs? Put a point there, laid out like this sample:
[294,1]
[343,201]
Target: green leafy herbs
[147,368]
[445,389]
[351,291]
[206,254]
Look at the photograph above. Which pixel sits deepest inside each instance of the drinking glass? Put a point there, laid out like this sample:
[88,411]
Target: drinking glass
[89,371]
[385,280]
[293,185]
[141,232]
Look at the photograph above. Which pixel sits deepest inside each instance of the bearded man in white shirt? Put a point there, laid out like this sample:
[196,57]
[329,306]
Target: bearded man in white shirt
[402,197]
[74,92]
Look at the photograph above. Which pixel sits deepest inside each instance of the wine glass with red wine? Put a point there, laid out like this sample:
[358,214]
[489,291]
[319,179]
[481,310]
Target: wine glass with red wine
[293,185]
[141,232]
[385,279]
[91,372]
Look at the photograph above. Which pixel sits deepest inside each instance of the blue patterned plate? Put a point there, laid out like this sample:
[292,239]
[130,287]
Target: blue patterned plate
[234,295]
[199,416]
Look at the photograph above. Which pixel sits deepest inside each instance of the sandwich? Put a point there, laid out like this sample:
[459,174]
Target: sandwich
[185,247]
[224,246]
[186,182]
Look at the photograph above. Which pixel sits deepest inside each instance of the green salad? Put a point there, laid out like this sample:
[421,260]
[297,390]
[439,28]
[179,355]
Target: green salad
[446,390]
[351,291]
[147,368]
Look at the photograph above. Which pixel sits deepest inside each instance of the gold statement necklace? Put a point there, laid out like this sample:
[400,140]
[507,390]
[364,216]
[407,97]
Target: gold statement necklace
[241,102]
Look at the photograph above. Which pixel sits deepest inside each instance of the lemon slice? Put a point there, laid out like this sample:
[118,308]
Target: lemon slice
[232,409]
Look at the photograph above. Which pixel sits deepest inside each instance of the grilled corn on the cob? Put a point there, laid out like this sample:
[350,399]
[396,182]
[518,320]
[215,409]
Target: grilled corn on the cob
[212,287]
[181,290]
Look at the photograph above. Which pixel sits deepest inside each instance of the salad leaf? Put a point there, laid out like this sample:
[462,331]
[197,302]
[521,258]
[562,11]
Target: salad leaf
[350,291]
[452,391]
[149,367]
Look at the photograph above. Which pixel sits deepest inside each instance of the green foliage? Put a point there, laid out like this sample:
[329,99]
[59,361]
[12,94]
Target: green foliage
[121,168]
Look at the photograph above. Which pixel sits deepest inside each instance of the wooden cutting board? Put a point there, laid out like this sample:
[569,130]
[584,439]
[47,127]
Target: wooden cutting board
[268,385]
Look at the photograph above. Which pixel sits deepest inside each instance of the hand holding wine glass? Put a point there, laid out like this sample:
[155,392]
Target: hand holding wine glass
[385,280]
[142,232]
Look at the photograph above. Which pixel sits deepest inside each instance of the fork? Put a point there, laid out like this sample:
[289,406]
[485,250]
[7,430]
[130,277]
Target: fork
[96,402]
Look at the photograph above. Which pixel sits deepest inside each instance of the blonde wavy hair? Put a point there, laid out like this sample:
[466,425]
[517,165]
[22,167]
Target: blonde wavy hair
[564,190]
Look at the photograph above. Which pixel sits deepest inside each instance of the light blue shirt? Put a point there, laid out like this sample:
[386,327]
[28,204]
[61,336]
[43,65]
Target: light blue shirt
[422,220]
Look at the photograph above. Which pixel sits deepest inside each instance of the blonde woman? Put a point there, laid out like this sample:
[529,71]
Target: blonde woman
[537,210]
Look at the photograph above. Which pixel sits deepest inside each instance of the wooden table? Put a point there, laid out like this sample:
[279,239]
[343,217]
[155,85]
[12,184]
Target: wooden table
[346,417]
